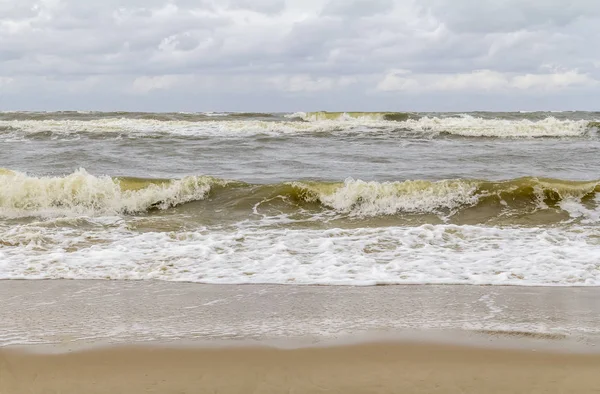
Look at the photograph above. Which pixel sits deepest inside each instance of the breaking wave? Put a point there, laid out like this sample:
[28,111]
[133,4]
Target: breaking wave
[83,193]
[340,116]
[448,197]
[387,198]
[22,195]
[236,125]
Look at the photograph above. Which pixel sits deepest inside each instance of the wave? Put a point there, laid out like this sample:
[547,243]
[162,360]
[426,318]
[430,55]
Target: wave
[469,126]
[83,193]
[463,125]
[449,197]
[22,195]
[324,115]
[97,115]
[362,198]
[236,125]
[140,128]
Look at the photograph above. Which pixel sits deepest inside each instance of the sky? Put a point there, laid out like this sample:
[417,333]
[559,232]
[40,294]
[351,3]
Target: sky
[299,55]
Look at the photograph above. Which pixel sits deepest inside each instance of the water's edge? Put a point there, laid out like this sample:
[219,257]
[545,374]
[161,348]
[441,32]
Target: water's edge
[66,315]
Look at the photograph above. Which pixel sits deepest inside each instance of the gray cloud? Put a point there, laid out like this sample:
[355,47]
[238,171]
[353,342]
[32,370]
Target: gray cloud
[510,15]
[263,6]
[357,8]
[280,54]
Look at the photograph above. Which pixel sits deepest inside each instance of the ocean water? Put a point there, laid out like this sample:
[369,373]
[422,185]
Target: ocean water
[302,198]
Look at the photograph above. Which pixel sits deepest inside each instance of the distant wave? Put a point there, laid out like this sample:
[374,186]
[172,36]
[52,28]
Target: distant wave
[464,125]
[323,115]
[237,125]
[22,195]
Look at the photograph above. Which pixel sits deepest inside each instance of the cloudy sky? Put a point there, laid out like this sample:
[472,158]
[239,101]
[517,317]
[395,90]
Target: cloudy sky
[293,55]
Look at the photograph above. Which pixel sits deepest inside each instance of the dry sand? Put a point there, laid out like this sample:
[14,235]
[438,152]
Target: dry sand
[365,368]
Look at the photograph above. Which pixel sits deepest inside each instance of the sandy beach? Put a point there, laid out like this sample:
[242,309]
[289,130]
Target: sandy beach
[73,337]
[367,368]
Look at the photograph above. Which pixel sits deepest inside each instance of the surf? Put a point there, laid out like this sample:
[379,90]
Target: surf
[82,193]
[398,124]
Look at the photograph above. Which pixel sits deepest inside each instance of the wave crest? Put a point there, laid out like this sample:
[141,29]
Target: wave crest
[82,193]
[469,126]
[304,123]
[324,115]
[386,198]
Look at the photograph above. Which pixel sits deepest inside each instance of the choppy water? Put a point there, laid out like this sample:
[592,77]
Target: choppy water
[327,198]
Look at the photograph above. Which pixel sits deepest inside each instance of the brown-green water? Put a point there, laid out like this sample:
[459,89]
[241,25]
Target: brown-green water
[327,198]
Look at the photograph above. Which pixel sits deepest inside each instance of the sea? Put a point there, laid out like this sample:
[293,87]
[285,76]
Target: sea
[321,198]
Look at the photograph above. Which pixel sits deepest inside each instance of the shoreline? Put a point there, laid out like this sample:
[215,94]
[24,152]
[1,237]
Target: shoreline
[380,367]
[62,315]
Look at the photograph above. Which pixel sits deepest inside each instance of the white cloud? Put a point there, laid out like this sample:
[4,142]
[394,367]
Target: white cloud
[5,81]
[147,84]
[483,80]
[307,83]
[557,80]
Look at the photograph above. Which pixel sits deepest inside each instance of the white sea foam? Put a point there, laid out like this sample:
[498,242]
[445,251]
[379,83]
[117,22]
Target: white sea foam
[443,254]
[577,209]
[296,115]
[470,126]
[81,193]
[215,114]
[466,125]
[150,127]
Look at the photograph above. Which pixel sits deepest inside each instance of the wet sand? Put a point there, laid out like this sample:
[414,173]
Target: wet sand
[366,368]
[65,315]
[76,337]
